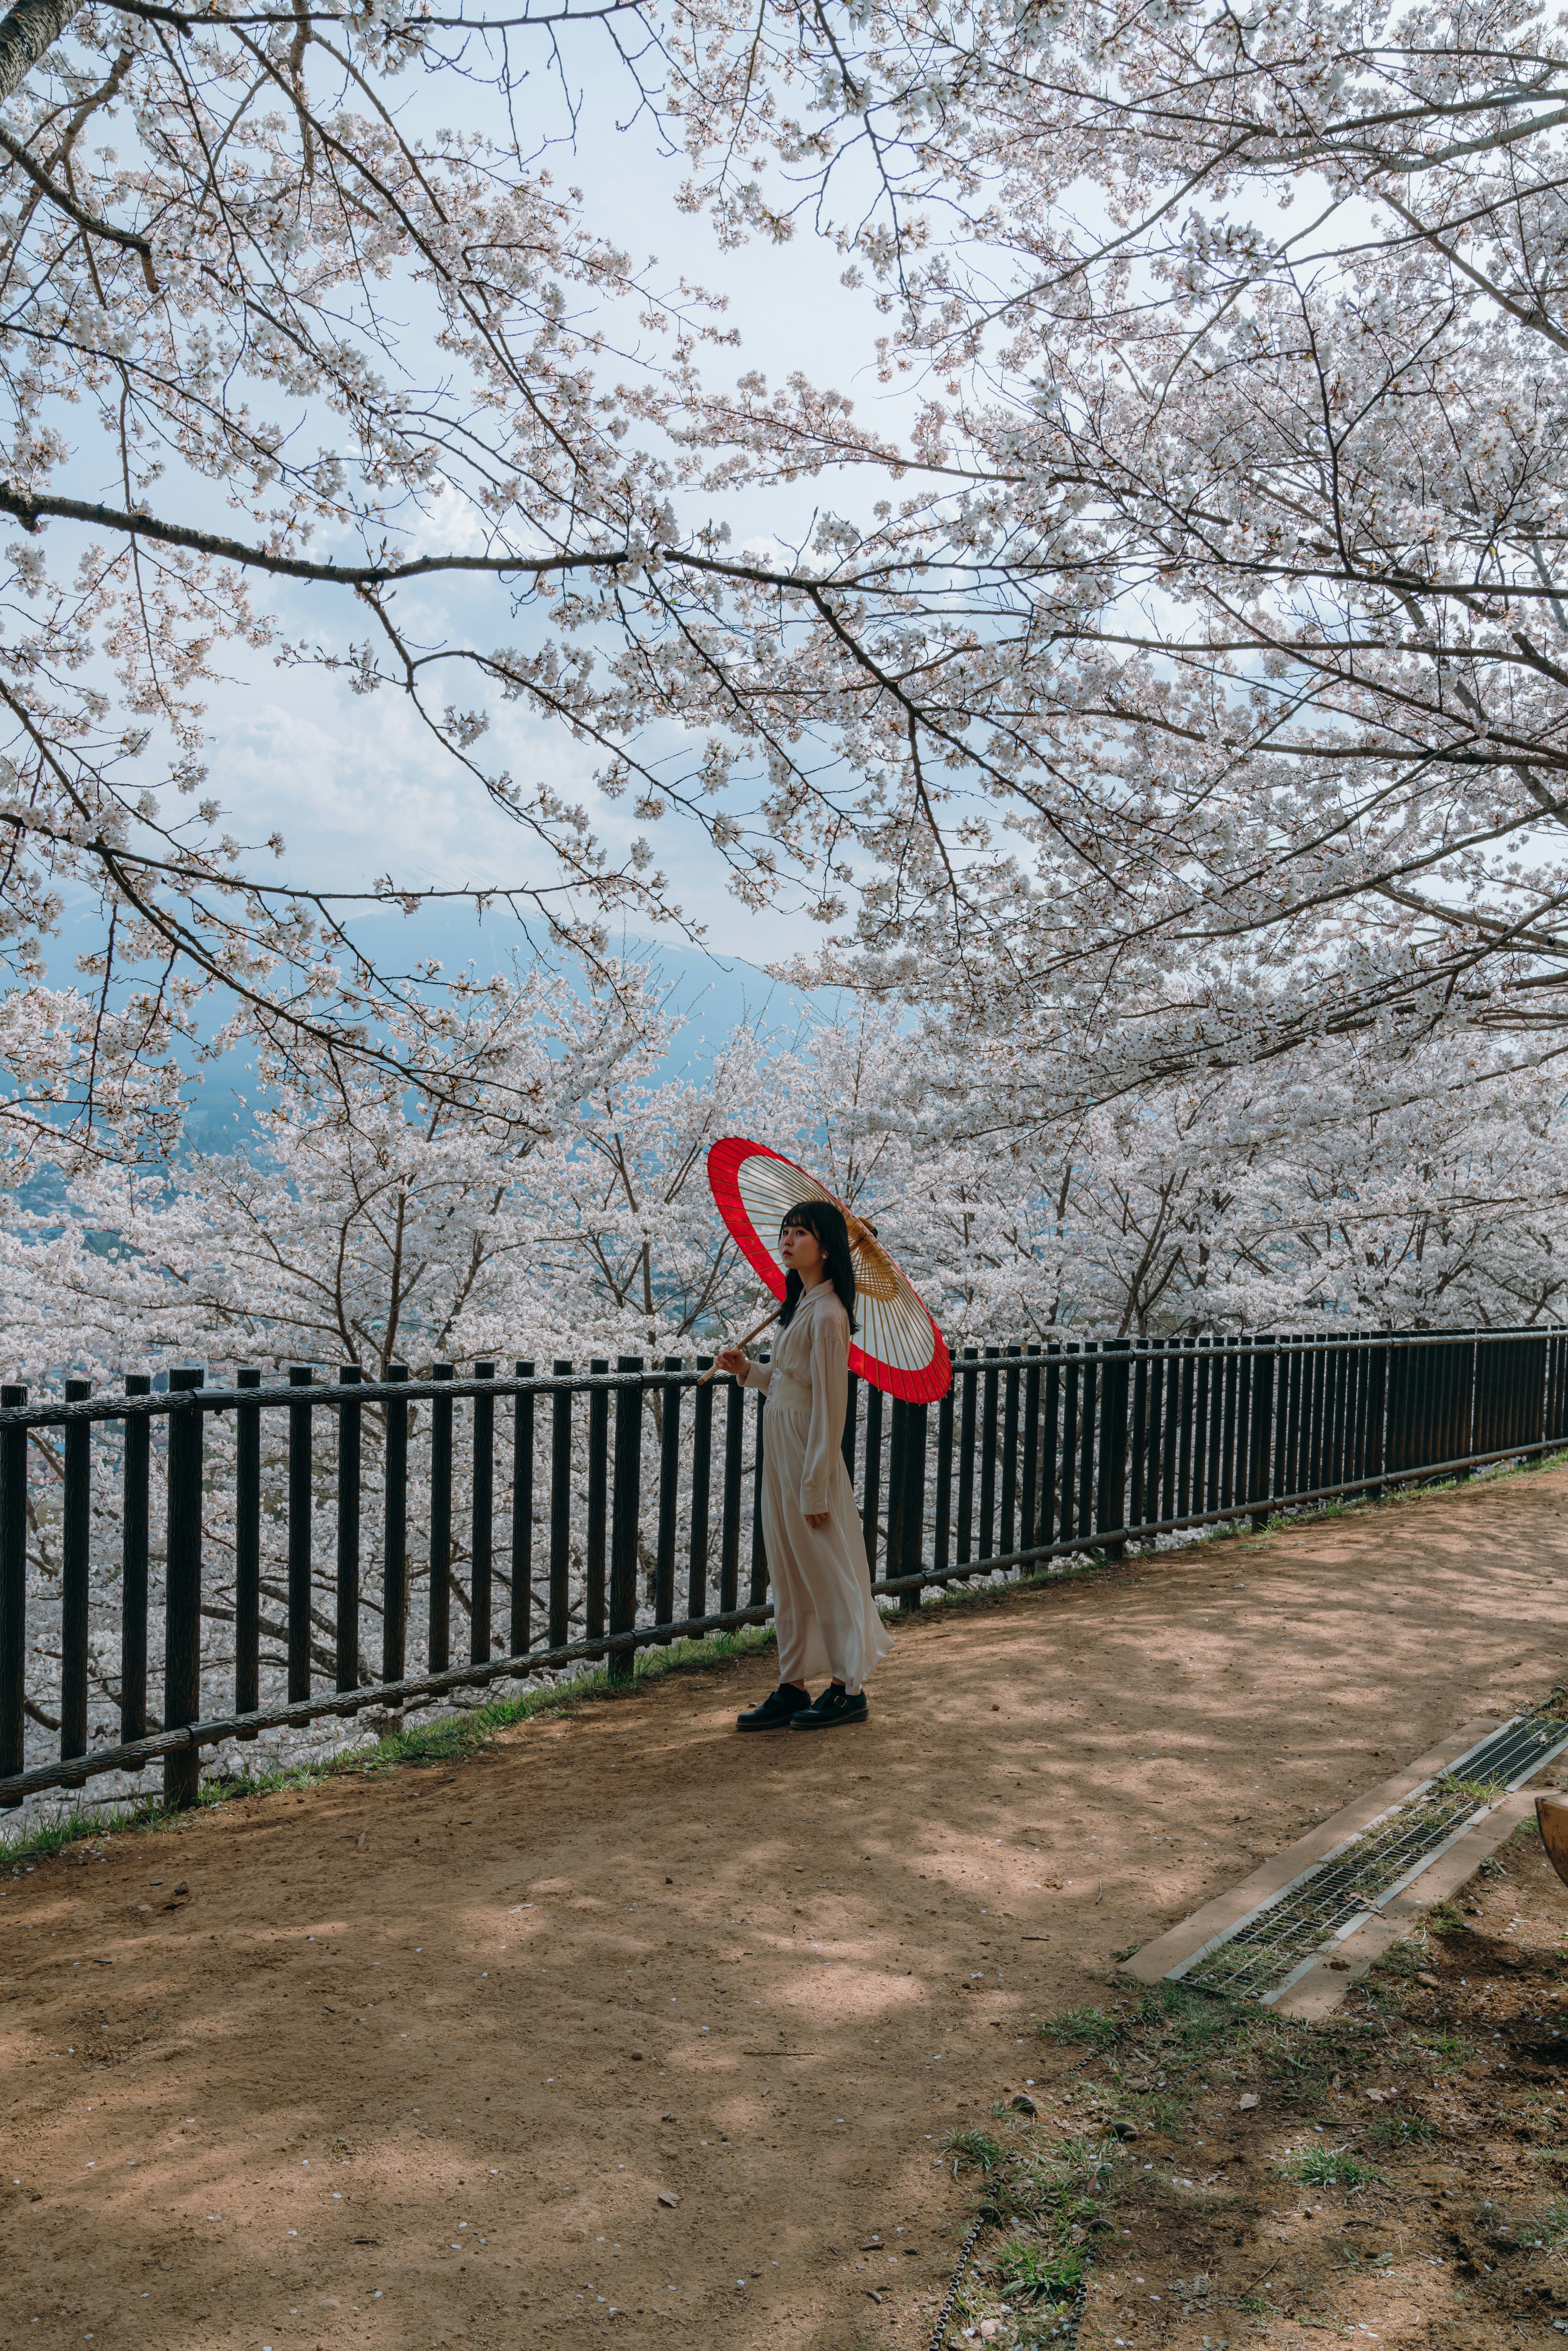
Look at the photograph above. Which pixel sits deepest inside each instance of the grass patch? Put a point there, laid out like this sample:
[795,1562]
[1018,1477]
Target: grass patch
[1172,2029]
[1479,1791]
[1035,2273]
[1043,2198]
[1083,2028]
[972,2150]
[1444,1919]
[1544,2231]
[1405,1961]
[1194,2023]
[1399,2130]
[1444,2050]
[1327,2167]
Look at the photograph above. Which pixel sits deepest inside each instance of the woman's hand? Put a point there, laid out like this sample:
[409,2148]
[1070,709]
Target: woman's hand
[733,1360]
[817,1518]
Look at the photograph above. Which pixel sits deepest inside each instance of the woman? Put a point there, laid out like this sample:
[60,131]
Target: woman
[825,1616]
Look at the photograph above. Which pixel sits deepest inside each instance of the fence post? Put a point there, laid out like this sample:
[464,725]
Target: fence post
[481,1524]
[394,1521]
[702,1478]
[1362,1385]
[300,1500]
[1138,1508]
[1287,1390]
[1167,1367]
[1260,1428]
[346,1630]
[1214,1346]
[248,1549]
[624,1517]
[1376,1412]
[1536,1349]
[13,1589]
[1111,1494]
[1029,1495]
[560,1507]
[871,1493]
[964,1550]
[1469,1367]
[1344,1432]
[669,1489]
[1233,1431]
[1087,1493]
[1066,1488]
[892,1546]
[943,1536]
[76,1534]
[440,1635]
[522,1632]
[729,1520]
[987,1549]
[1050,1451]
[182,1591]
[598,1500]
[1010,1450]
[135,1468]
[758,1589]
[913,1522]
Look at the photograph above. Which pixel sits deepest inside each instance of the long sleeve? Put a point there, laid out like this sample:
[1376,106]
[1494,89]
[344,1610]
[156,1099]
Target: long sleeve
[757,1376]
[829,1399]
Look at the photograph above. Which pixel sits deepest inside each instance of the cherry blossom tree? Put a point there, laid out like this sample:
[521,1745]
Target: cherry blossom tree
[1193,658]
[1209,662]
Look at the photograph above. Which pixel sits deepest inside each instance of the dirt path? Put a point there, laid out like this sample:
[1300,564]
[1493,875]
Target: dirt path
[629,2025]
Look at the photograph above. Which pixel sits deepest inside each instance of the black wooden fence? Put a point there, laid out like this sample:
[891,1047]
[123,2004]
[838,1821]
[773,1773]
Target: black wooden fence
[1034,1453]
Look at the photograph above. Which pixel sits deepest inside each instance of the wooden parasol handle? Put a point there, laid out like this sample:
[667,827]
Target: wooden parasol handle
[761,1326]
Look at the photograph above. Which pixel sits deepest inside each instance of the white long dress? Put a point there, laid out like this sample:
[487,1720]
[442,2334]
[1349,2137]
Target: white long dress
[827,1620]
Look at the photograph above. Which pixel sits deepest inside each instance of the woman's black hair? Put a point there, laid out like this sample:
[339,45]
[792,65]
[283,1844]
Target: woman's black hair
[827,1226]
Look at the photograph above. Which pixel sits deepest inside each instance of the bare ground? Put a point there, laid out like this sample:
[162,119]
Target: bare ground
[627,2024]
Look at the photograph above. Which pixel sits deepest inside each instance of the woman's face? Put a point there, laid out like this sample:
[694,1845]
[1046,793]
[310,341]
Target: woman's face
[800,1250]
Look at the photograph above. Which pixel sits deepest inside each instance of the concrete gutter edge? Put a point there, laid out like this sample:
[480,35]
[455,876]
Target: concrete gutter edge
[1154,1961]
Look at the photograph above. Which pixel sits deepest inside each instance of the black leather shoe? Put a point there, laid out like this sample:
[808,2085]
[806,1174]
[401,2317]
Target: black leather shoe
[774,1712]
[833,1708]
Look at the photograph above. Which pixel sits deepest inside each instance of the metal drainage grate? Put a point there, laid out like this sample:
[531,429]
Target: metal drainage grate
[1266,1952]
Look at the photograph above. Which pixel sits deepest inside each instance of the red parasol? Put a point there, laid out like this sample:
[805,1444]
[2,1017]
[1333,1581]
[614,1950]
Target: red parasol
[900,1348]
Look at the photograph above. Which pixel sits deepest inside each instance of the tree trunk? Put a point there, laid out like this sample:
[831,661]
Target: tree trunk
[31,28]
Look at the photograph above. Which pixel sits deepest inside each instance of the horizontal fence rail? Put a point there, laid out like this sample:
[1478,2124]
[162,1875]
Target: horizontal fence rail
[230,1549]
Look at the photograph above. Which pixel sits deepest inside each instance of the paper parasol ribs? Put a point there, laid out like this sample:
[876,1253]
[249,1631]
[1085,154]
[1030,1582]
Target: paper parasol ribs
[898,1347]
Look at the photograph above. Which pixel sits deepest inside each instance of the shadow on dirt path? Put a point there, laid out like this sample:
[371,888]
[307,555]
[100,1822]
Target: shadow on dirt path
[628,2026]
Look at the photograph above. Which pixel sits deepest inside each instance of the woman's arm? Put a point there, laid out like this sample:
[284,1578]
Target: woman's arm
[749,1374]
[829,1397]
